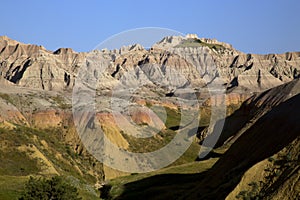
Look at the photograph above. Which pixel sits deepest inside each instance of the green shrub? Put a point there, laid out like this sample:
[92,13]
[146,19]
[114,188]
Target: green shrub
[46,189]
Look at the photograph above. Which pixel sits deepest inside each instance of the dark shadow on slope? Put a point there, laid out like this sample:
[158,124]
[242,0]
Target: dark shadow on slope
[267,136]
[175,128]
[211,154]
[165,186]
[235,122]
[104,192]
[19,71]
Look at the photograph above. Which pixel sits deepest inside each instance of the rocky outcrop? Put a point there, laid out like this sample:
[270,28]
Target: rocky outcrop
[174,62]
[258,72]
[35,67]
[230,99]
[239,71]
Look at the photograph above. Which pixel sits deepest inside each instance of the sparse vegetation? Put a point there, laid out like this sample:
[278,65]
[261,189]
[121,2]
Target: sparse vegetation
[11,187]
[198,43]
[140,145]
[61,103]
[13,161]
[17,163]
[277,169]
[173,116]
[252,194]
[6,97]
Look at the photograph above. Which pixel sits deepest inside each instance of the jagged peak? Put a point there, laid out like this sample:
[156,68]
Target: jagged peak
[215,41]
[123,49]
[8,41]
[5,37]
[192,36]
[131,48]
[64,51]
[171,39]
[169,42]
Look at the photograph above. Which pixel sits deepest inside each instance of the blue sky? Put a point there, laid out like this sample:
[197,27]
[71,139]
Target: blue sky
[257,26]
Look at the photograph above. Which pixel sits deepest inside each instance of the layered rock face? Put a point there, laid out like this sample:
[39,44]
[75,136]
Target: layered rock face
[35,67]
[238,70]
[173,63]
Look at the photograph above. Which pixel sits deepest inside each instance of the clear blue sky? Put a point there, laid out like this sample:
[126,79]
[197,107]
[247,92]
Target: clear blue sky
[256,26]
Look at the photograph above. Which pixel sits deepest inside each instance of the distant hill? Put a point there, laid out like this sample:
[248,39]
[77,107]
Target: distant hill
[174,62]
